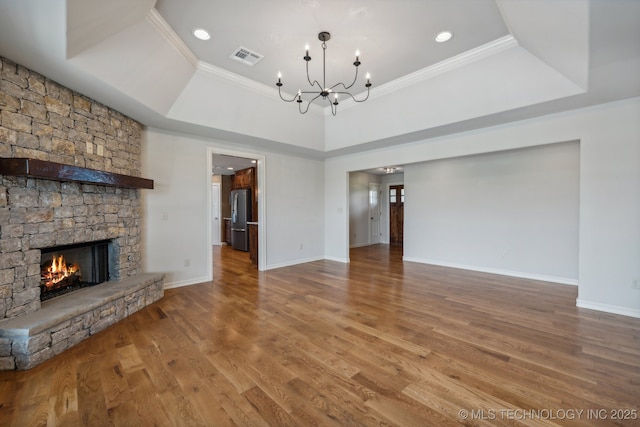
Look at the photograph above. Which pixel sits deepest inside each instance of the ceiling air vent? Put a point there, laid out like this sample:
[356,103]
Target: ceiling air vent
[246,56]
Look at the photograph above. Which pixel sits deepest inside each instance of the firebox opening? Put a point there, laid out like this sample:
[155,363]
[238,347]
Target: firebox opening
[64,269]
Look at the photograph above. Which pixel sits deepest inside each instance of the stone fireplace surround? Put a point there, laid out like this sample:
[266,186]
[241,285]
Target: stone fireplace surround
[44,121]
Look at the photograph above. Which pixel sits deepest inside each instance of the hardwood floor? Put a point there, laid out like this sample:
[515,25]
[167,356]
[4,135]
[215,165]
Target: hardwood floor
[375,342]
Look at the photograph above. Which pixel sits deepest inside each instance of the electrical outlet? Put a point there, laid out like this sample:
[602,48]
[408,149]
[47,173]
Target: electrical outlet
[165,216]
[187,262]
[635,284]
[301,246]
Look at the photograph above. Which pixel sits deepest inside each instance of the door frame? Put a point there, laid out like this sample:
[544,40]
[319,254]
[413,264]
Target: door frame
[379,189]
[214,214]
[262,217]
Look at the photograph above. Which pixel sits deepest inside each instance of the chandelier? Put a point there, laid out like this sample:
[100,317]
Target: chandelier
[328,93]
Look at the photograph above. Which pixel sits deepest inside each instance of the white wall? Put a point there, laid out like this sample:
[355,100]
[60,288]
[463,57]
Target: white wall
[175,211]
[609,228]
[511,212]
[610,208]
[295,210]
[293,191]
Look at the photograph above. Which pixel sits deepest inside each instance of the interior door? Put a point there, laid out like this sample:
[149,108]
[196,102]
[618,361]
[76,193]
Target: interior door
[396,214]
[215,214]
[374,213]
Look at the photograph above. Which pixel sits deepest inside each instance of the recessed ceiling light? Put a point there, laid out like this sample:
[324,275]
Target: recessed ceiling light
[443,36]
[201,34]
[230,168]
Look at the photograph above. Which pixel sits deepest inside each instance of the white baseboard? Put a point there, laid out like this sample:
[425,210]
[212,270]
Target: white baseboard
[336,259]
[188,282]
[294,262]
[613,309]
[359,245]
[552,279]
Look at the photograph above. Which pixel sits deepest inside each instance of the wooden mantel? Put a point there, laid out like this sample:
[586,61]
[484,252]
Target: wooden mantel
[35,168]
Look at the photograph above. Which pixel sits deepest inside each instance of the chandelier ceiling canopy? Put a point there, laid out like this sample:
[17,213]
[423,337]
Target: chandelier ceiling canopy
[331,94]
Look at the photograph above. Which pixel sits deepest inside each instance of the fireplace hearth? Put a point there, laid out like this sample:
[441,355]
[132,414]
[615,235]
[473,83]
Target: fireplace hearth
[68,268]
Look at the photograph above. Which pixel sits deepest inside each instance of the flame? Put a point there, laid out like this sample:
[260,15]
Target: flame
[58,271]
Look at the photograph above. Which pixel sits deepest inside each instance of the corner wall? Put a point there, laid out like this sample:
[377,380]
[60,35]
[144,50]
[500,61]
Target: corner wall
[610,208]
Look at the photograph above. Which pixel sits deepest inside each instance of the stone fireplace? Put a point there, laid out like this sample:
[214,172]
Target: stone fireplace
[69,175]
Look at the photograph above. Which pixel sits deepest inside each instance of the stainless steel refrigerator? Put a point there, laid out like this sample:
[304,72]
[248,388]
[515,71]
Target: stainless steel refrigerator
[240,214]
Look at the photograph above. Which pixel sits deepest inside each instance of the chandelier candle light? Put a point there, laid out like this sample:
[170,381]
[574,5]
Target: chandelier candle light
[323,90]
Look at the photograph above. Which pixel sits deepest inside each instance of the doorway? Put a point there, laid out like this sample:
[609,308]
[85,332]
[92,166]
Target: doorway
[222,165]
[396,214]
[215,214]
[374,213]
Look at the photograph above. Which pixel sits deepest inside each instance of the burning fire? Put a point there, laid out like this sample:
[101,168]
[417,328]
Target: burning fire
[58,271]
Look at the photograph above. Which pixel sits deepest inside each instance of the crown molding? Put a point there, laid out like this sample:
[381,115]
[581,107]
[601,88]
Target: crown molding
[165,30]
[465,58]
[170,35]
[248,84]
[237,79]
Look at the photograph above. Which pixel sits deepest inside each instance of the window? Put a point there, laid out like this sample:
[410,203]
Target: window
[373,197]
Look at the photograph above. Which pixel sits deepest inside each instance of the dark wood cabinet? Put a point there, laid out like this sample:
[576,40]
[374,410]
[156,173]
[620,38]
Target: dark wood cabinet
[253,243]
[227,231]
[246,178]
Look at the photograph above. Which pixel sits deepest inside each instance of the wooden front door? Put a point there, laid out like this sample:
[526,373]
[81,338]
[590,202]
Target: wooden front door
[396,214]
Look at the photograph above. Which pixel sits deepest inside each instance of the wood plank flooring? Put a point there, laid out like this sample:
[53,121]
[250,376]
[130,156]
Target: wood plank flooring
[374,342]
